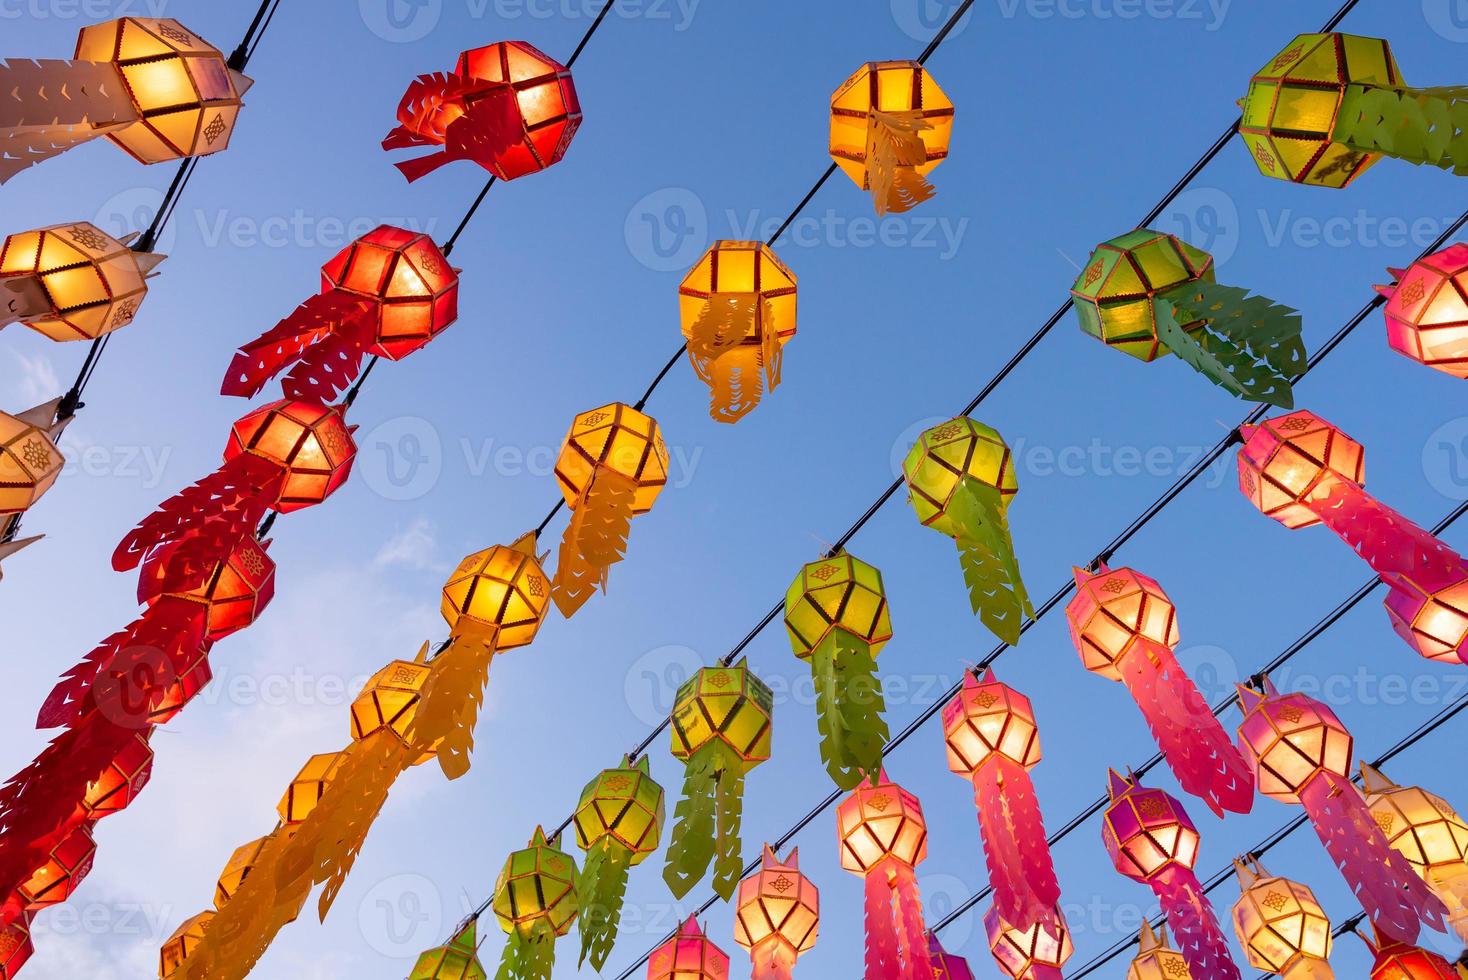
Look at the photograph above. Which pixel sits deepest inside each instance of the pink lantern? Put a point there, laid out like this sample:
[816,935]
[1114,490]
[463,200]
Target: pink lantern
[777,916]
[946,966]
[1034,953]
[1427,310]
[689,955]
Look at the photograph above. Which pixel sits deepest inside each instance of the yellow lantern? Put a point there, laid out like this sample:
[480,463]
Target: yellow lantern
[1429,833]
[778,915]
[456,960]
[1156,959]
[390,699]
[72,281]
[890,126]
[1034,953]
[535,902]
[306,790]
[29,460]
[737,307]
[239,866]
[618,822]
[181,945]
[1281,926]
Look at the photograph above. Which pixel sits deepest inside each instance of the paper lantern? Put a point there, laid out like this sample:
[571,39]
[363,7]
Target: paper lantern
[181,945]
[310,444]
[1329,106]
[15,947]
[612,466]
[777,916]
[387,294]
[1301,470]
[390,700]
[720,731]
[535,902]
[241,862]
[960,479]
[233,591]
[619,821]
[1125,628]
[1396,960]
[72,281]
[993,741]
[120,783]
[737,307]
[306,790]
[455,960]
[57,878]
[1427,831]
[890,126]
[689,955]
[506,106]
[30,462]
[1427,310]
[1034,953]
[883,838]
[946,966]
[1150,839]
[1301,754]
[1156,959]
[837,619]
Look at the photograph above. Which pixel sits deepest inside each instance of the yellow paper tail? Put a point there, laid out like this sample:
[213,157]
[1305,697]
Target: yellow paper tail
[1451,888]
[452,695]
[722,324]
[894,152]
[1308,968]
[595,539]
[736,384]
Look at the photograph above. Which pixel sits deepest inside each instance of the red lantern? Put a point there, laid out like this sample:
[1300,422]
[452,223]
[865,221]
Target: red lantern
[233,593]
[689,955]
[70,861]
[15,947]
[1396,960]
[121,782]
[1427,310]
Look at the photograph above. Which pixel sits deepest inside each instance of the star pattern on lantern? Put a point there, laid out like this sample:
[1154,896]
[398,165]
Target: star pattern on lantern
[215,129]
[617,783]
[124,312]
[35,454]
[782,884]
[1152,806]
[252,561]
[1176,967]
[879,802]
[88,237]
[985,699]
[947,431]
[1297,424]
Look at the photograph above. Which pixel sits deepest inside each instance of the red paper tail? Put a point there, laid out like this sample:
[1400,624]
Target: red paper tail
[1384,539]
[328,367]
[427,107]
[488,127]
[1018,857]
[1194,926]
[882,959]
[917,961]
[1205,760]
[310,323]
[1391,893]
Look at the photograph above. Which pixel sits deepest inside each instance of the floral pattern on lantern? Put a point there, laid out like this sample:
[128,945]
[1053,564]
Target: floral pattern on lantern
[777,916]
[1156,959]
[618,821]
[890,126]
[535,902]
[1429,833]
[233,591]
[30,461]
[689,955]
[72,281]
[1427,310]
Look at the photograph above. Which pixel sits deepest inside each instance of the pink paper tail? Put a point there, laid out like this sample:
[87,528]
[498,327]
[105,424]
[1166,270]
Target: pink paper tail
[917,961]
[1194,926]
[1393,896]
[1384,539]
[772,960]
[1205,760]
[882,944]
[1015,849]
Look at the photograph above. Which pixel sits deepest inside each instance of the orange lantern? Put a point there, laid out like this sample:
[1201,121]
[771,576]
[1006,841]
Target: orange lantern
[1428,832]
[311,444]
[1427,310]
[890,126]
[307,788]
[689,955]
[1156,959]
[72,281]
[390,699]
[1281,927]
[1036,953]
[237,868]
[234,591]
[15,947]
[777,916]
[67,865]
[122,780]
[181,945]
[30,463]
[1396,960]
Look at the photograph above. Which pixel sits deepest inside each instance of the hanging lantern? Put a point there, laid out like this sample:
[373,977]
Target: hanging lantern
[535,901]
[720,730]
[391,700]
[29,460]
[1331,105]
[151,86]
[233,591]
[1125,628]
[1301,753]
[181,945]
[737,307]
[1301,470]
[883,838]
[777,916]
[238,868]
[993,741]
[946,966]
[121,782]
[15,947]
[455,960]
[506,106]
[689,955]
[1427,310]
[837,619]
[306,790]
[1428,832]
[1034,953]
[960,479]
[890,126]
[55,880]
[1396,960]
[618,820]
[612,467]
[387,294]
[72,281]
[1150,294]
[1150,839]
[1156,959]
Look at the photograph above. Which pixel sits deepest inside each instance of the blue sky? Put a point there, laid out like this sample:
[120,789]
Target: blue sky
[705,120]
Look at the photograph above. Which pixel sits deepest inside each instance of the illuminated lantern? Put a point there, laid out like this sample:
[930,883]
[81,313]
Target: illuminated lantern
[777,916]
[1301,754]
[121,782]
[29,460]
[233,592]
[72,281]
[946,966]
[720,731]
[689,955]
[1428,832]
[15,947]
[387,294]
[68,864]
[1155,959]
[390,699]
[1125,628]
[1151,840]
[960,479]
[993,741]
[618,820]
[1396,960]
[306,790]
[837,619]
[506,106]
[238,868]
[455,960]
[181,945]
[612,467]
[1330,105]
[890,126]
[1427,310]
[151,86]
[883,838]
[737,306]
[1149,294]
[1301,470]
[1034,953]
[535,902]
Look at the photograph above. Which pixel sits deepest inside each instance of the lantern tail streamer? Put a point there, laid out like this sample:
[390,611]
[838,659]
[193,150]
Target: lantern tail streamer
[894,152]
[722,325]
[595,539]
[600,893]
[452,695]
[1385,540]
[529,954]
[986,552]
[50,92]
[736,384]
[1194,926]
[314,321]
[883,954]
[772,960]
[697,819]
[1199,752]
[23,150]
[849,708]
[728,856]
[488,127]
[1419,125]
[1018,858]
[917,960]
[1393,895]
[1250,346]
[427,108]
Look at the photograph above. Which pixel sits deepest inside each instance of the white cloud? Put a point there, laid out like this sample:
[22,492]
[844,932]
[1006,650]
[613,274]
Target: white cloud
[37,380]
[413,546]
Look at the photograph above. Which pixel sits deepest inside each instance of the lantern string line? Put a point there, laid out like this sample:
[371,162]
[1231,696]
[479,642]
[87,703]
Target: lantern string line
[1442,717]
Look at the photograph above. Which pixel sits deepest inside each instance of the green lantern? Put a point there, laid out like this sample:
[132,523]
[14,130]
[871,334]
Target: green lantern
[455,960]
[960,479]
[837,619]
[618,823]
[721,730]
[1150,294]
[535,902]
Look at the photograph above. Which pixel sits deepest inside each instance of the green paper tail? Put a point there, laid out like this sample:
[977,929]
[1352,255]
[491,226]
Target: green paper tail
[990,568]
[849,707]
[1249,346]
[691,847]
[601,891]
[729,796]
[528,957]
[1419,125]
